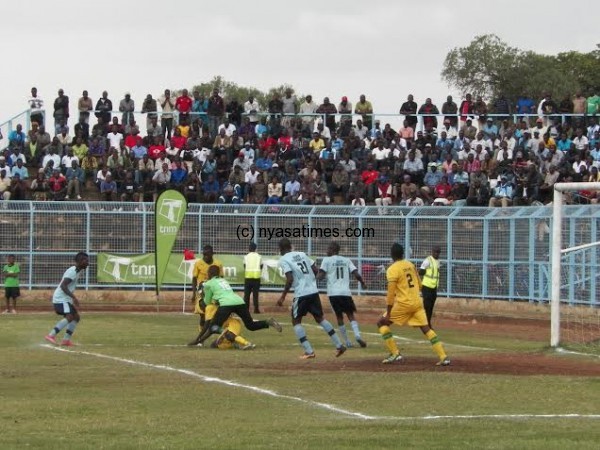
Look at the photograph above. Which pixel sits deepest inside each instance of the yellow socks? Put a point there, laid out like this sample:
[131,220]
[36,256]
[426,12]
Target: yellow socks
[388,340]
[436,344]
[241,341]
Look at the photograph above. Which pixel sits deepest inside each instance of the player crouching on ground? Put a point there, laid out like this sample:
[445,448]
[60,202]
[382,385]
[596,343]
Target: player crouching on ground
[217,291]
[231,336]
[404,305]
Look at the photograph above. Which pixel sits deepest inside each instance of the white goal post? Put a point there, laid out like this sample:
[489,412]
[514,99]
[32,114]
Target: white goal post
[558,251]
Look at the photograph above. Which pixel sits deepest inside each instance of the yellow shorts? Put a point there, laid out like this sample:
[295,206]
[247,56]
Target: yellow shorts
[234,325]
[210,311]
[414,316]
[197,308]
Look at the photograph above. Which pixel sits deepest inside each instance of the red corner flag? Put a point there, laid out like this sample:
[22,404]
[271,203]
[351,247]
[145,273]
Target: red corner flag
[188,255]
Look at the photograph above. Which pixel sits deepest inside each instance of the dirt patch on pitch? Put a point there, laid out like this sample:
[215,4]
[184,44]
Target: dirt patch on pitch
[521,364]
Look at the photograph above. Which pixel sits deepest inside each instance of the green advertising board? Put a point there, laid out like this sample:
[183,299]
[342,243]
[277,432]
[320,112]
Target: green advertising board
[141,269]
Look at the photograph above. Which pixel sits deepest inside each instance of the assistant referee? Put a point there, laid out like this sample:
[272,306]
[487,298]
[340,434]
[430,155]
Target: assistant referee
[252,273]
[430,274]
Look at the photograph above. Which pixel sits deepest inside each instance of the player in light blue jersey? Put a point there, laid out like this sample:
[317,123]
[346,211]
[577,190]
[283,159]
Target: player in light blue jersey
[338,270]
[65,303]
[300,273]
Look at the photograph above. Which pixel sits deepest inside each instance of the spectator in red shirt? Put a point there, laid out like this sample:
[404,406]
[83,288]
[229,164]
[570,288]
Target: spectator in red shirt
[369,177]
[58,185]
[183,104]
[442,192]
[466,108]
[284,141]
[156,149]
[178,141]
[133,139]
[471,164]
[384,194]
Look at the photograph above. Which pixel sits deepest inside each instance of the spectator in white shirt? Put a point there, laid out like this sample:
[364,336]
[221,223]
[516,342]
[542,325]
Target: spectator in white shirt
[251,176]
[114,137]
[380,152]
[51,156]
[580,141]
[228,127]
[68,159]
[251,107]
[307,109]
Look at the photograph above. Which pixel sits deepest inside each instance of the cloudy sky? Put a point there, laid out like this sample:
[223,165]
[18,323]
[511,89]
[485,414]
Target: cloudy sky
[382,48]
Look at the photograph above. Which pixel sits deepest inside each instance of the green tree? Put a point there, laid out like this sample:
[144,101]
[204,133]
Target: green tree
[490,67]
[230,90]
[481,67]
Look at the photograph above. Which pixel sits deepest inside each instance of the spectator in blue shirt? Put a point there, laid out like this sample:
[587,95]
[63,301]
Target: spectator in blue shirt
[200,106]
[20,169]
[490,130]
[564,144]
[261,129]
[265,163]
[75,179]
[16,138]
[525,105]
[139,150]
[336,144]
[178,176]
[211,189]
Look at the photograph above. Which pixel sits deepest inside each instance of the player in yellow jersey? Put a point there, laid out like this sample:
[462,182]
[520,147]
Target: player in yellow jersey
[232,329]
[199,276]
[404,306]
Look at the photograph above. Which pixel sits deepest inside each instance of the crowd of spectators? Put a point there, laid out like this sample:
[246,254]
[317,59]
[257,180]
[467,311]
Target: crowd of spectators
[217,150]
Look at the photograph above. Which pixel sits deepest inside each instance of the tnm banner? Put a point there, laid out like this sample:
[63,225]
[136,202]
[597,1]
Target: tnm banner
[141,269]
[169,213]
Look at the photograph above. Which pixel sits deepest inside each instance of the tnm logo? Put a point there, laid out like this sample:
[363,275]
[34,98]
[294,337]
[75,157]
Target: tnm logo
[117,267]
[171,210]
[122,268]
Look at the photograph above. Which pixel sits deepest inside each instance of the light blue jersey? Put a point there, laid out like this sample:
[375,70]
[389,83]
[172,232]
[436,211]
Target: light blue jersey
[59,296]
[300,265]
[338,269]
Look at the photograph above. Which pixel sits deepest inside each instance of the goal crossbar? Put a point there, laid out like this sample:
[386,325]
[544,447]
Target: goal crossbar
[557,251]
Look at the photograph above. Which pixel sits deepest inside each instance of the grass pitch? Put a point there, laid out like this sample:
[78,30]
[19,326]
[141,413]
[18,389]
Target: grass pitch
[132,383]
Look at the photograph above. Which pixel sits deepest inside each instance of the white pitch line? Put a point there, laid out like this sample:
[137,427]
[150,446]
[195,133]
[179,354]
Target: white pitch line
[321,405]
[208,379]
[493,416]
[139,345]
[571,352]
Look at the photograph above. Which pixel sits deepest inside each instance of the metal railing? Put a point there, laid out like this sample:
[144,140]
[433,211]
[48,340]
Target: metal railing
[488,253]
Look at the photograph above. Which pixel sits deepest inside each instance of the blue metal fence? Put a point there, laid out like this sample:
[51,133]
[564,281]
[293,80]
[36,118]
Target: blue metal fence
[488,253]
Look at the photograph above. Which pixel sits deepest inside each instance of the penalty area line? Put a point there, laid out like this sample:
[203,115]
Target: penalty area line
[209,379]
[320,405]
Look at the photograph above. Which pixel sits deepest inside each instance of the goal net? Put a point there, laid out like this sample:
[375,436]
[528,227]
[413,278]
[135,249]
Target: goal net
[575,280]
